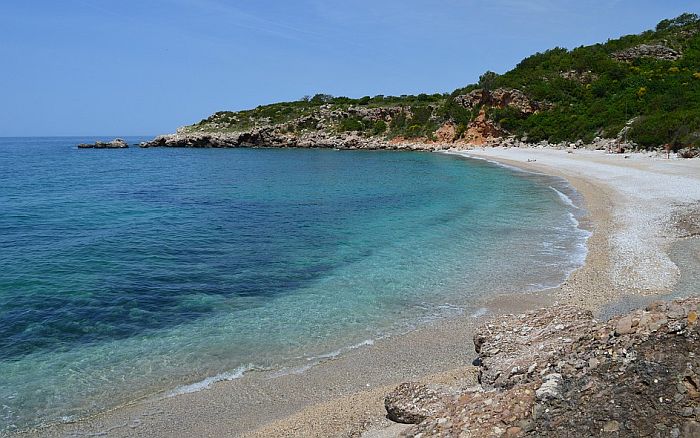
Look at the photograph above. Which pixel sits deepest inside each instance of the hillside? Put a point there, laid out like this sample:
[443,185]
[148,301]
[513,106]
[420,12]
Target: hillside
[640,90]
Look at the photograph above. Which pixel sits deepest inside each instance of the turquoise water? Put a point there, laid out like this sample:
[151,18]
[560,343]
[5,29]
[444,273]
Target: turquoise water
[128,272]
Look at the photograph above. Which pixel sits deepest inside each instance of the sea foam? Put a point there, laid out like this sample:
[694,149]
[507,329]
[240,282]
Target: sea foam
[206,383]
[565,199]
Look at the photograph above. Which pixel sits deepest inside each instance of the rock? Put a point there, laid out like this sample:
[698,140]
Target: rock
[446,133]
[657,51]
[481,130]
[499,98]
[635,375]
[688,153]
[412,403]
[611,426]
[550,388]
[117,143]
[624,326]
[272,137]
[505,346]
[514,431]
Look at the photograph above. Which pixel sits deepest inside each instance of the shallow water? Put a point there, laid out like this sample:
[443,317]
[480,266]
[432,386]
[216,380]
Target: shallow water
[126,272]
[685,254]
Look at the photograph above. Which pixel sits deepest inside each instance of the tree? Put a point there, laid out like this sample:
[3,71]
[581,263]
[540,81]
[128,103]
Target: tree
[487,81]
[679,21]
[321,98]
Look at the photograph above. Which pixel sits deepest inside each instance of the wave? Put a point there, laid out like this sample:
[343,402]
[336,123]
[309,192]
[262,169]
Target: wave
[206,383]
[338,352]
[565,199]
[315,360]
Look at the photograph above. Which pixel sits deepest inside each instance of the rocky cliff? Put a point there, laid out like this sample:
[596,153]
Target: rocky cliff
[325,127]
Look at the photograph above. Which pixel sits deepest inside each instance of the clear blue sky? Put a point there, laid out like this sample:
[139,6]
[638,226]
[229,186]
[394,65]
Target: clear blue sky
[133,67]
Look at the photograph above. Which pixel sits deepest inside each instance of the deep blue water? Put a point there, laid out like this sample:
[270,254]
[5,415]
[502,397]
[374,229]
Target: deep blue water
[125,272]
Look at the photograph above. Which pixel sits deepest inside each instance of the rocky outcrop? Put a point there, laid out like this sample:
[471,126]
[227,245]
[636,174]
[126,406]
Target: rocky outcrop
[481,130]
[274,138]
[117,143]
[617,145]
[256,137]
[656,51]
[558,372]
[499,98]
[375,114]
[413,402]
[517,349]
[447,133]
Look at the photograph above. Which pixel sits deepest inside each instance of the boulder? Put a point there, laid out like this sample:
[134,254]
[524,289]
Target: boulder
[413,402]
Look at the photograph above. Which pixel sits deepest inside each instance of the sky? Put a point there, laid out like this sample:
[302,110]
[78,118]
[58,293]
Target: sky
[145,67]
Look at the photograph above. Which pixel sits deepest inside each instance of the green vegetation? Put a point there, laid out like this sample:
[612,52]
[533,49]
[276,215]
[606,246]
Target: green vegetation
[584,93]
[663,96]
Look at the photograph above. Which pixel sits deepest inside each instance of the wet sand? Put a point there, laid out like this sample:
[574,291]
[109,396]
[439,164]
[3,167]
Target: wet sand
[630,203]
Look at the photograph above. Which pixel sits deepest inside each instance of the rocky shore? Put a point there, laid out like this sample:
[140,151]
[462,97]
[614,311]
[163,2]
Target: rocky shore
[270,137]
[557,370]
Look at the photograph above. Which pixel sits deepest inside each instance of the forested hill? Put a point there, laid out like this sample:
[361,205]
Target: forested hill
[644,88]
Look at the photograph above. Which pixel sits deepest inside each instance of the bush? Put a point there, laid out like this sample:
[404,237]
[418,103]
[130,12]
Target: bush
[351,124]
[379,127]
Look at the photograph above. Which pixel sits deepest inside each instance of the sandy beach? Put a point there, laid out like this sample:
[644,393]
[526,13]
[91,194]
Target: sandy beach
[633,202]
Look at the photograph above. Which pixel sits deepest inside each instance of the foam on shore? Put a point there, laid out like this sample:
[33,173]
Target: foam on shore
[206,383]
[565,199]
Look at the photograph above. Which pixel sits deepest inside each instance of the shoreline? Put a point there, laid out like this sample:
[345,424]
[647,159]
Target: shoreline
[344,396]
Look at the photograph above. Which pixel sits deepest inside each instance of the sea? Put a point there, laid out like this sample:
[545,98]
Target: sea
[134,272]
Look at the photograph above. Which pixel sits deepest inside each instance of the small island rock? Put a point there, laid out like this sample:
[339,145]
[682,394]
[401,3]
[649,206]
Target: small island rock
[117,143]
